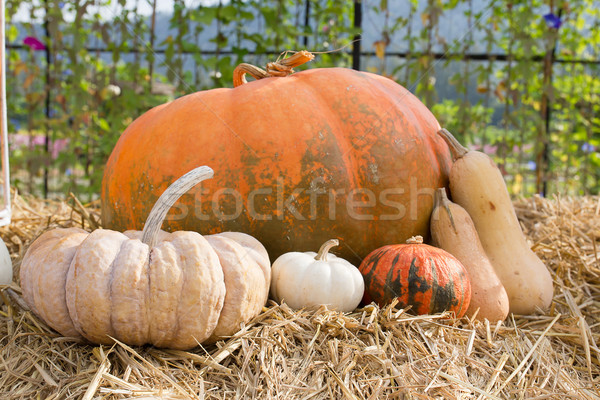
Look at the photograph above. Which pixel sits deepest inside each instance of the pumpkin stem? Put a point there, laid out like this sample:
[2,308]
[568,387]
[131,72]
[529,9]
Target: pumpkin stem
[324,250]
[441,200]
[168,198]
[279,68]
[415,240]
[239,73]
[457,149]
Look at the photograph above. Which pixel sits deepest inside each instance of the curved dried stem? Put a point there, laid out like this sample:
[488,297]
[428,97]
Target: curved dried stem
[457,149]
[168,198]
[279,68]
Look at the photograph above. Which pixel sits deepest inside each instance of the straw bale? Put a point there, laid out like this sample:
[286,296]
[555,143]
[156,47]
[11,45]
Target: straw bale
[372,353]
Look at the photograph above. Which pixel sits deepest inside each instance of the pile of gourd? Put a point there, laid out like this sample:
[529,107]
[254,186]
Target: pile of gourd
[356,129]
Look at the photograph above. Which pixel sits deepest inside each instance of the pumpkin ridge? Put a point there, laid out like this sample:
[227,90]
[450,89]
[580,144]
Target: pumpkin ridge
[41,284]
[28,269]
[221,116]
[199,262]
[395,274]
[462,299]
[179,307]
[337,130]
[417,284]
[434,287]
[36,293]
[445,294]
[409,116]
[92,303]
[161,322]
[149,302]
[394,102]
[229,245]
[180,262]
[111,278]
[130,302]
[390,277]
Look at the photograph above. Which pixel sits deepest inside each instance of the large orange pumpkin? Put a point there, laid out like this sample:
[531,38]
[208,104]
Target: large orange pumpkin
[318,154]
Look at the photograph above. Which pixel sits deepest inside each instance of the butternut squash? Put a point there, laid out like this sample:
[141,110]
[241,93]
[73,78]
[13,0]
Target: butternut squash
[453,230]
[477,185]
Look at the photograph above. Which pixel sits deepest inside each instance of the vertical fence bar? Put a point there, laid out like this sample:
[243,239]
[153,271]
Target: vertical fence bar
[47,104]
[151,50]
[5,213]
[357,37]
[306,23]
[543,157]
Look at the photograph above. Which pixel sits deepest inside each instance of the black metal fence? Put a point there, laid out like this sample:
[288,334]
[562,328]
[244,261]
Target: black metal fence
[517,96]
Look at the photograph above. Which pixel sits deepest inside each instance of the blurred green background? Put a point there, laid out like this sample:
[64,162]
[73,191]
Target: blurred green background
[519,80]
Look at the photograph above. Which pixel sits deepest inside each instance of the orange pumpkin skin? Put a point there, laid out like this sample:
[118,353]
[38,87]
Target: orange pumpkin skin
[429,279]
[290,152]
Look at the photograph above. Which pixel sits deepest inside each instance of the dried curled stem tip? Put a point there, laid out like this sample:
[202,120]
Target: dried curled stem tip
[279,68]
[415,240]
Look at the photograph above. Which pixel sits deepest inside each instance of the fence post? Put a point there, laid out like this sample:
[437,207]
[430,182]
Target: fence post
[357,37]
[48,43]
[5,211]
[306,22]
[151,50]
[543,156]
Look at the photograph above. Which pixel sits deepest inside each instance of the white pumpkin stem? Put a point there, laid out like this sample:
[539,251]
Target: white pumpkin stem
[324,250]
[168,198]
[456,149]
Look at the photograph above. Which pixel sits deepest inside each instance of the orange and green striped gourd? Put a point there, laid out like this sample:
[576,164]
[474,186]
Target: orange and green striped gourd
[428,279]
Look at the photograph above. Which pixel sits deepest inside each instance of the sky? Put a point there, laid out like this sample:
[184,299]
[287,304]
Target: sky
[145,8]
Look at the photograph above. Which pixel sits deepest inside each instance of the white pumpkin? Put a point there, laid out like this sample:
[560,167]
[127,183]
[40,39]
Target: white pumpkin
[311,279]
[6,268]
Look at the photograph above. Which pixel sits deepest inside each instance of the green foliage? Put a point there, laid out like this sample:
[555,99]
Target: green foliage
[485,103]
[510,95]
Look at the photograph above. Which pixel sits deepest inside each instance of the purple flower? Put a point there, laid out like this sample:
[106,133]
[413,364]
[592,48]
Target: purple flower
[531,165]
[61,4]
[552,20]
[587,148]
[33,43]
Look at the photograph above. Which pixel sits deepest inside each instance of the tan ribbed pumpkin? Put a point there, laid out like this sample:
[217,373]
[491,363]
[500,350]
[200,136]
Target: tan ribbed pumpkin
[171,290]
